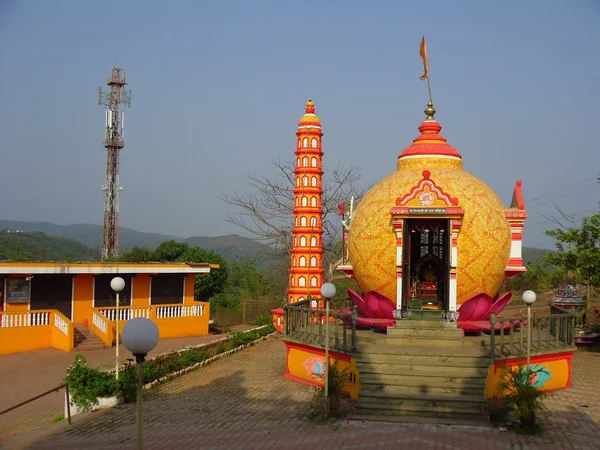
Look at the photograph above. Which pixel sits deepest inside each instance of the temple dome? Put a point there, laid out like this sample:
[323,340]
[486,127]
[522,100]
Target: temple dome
[484,239]
[310,119]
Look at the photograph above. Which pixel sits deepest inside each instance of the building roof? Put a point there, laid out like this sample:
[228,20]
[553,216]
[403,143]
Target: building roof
[99,268]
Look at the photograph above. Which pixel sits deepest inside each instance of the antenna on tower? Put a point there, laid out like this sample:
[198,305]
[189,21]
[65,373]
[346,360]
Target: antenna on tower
[112,99]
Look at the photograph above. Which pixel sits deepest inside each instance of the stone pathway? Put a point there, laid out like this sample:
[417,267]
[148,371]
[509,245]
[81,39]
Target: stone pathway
[25,375]
[243,402]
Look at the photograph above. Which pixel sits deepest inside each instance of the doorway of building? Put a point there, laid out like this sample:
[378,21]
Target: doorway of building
[426,264]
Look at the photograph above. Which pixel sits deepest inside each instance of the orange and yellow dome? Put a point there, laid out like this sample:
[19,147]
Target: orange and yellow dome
[484,239]
[310,119]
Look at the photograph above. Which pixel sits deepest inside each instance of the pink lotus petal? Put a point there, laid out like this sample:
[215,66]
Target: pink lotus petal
[475,308]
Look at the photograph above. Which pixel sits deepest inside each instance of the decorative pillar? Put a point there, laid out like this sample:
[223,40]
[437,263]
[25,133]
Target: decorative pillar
[399,229]
[306,272]
[456,224]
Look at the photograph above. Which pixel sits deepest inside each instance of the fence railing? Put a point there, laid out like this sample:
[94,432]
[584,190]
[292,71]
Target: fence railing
[43,394]
[196,309]
[578,313]
[25,319]
[308,325]
[549,333]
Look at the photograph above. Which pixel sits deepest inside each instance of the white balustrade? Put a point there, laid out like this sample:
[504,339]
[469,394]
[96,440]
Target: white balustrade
[60,323]
[99,322]
[25,319]
[125,313]
[172,311]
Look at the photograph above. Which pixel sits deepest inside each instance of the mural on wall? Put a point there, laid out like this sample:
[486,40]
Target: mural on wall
[315,367]
[540,376]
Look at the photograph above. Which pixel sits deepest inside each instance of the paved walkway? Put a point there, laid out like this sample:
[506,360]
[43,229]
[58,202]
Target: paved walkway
[243,402]
[25,375]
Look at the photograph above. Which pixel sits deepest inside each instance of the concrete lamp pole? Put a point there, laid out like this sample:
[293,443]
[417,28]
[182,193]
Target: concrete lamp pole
[140,336]
[117,284]
[529,298]
[327,292]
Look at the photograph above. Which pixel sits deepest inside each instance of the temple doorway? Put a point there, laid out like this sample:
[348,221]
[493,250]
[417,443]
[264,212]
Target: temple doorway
[426,271]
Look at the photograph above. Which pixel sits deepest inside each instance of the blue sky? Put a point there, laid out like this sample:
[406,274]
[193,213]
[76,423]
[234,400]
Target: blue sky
[219,86]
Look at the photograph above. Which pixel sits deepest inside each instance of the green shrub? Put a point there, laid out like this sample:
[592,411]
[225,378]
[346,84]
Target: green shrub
[86,385]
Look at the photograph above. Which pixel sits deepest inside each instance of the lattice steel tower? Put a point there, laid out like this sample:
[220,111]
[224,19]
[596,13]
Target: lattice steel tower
[113,142]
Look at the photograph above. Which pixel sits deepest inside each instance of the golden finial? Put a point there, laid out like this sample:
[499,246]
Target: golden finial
[430,111]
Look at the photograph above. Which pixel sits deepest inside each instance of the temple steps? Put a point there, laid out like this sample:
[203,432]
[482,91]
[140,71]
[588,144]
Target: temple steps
[422,371]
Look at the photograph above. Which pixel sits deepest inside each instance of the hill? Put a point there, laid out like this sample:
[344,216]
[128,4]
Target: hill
[37,246]
[229,247]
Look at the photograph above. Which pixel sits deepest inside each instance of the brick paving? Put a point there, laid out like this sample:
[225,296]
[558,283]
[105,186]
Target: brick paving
[243,402]
[25,375]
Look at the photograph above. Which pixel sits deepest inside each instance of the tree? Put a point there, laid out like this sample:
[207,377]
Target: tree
[205,286]
[265,210]
[578,250]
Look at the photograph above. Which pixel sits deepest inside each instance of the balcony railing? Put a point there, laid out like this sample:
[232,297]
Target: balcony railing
[172,320]
[309,326]
[549,334]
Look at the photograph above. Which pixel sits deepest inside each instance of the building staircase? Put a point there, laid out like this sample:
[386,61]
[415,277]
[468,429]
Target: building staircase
[422,371]
[85,339]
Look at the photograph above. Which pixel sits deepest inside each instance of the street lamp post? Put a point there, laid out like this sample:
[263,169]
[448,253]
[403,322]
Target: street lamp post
[328,292]
[140,336]
[529,298]
[117,284]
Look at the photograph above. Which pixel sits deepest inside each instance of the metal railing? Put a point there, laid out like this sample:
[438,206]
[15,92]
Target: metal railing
[578,314]
[51,391]
[549,334]
[307,325]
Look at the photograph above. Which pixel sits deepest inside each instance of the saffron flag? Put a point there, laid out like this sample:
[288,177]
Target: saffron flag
[341,209]
[423,53]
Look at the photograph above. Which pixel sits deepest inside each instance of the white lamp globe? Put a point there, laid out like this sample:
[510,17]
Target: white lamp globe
[328,291]
[117,284]
[529,297]
[140,336]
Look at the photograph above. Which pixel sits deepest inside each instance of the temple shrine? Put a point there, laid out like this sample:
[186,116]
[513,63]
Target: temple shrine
[427,333]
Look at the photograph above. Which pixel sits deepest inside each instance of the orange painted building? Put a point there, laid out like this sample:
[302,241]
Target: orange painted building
[42,304]
[306,272]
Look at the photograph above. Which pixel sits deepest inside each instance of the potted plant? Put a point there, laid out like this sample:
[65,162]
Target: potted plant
[519,386]
[90,389]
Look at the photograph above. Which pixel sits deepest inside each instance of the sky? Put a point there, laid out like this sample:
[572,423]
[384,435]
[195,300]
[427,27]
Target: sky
[219,86]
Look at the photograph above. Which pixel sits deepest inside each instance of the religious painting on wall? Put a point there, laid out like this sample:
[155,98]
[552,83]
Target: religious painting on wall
[18,291]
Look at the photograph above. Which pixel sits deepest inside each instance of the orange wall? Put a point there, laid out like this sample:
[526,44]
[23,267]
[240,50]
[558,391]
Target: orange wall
[302,359]
[17,307]
[189,289]
[83,298]
[23,339]
[557,368]
[141,290]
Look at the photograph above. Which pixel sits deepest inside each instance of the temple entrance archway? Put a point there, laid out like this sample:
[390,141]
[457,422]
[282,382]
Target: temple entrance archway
[426,257]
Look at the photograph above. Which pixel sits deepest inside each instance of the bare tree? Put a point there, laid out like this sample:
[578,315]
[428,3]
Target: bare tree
[266,209]
[563,219]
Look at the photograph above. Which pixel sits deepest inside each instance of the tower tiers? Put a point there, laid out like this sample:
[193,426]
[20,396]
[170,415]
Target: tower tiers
[306,272]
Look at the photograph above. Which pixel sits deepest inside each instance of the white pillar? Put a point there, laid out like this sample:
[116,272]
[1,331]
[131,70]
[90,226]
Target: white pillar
[453,293]
[399,291]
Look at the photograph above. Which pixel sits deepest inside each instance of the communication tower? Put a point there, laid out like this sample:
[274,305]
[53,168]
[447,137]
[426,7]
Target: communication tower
[113,142]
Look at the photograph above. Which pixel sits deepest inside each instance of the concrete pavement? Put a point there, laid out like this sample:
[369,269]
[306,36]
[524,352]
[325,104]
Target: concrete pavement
[243,402]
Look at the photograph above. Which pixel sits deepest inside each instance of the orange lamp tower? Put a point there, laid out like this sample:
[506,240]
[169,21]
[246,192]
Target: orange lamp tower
[306,272]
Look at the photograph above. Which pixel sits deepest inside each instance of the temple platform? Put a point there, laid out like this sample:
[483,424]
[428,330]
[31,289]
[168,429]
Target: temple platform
[426,369]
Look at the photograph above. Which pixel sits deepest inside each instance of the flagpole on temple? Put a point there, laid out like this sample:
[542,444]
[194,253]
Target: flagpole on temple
[430,111]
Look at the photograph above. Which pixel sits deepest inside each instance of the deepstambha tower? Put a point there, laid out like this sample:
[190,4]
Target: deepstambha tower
[306,272]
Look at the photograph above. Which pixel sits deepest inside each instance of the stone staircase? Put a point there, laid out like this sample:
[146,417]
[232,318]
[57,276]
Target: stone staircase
[85,339]
[422,371]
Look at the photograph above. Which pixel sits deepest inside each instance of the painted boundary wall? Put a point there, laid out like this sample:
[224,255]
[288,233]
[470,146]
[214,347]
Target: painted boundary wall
[555,371]
[306,365]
